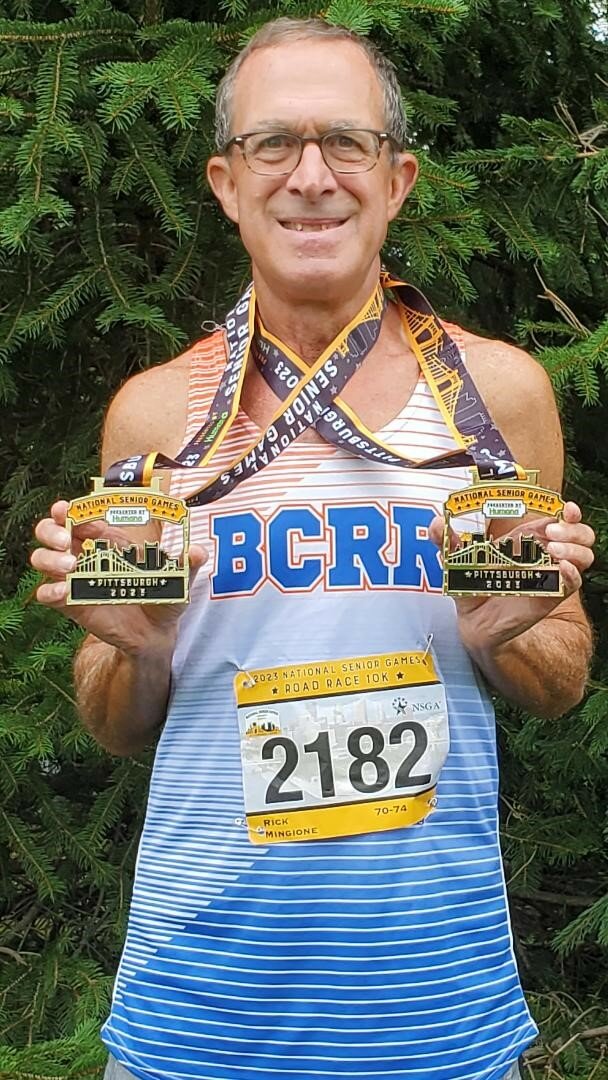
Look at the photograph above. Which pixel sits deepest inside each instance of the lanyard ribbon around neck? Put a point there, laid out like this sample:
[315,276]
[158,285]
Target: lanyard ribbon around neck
[310,397]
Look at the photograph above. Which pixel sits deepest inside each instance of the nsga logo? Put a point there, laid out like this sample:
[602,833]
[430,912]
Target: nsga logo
[350,546]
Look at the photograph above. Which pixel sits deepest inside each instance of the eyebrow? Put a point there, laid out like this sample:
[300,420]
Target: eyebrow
[282,125]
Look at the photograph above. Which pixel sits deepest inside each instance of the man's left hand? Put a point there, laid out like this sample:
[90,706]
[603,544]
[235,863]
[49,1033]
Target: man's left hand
[491,621]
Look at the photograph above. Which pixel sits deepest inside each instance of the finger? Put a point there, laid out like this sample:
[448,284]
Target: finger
[570,533]
[52,594]
[197,556]
[59,511]
[437,531]
[96,529]
[572,513]
[436,528]
[165,614]
[53,563]
[99,529]
[535,527]
[579,556]
[52,535]
[571,577]
[57,538]
[90,530]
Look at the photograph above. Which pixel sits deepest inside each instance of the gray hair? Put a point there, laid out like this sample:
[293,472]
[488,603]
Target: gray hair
[284,30]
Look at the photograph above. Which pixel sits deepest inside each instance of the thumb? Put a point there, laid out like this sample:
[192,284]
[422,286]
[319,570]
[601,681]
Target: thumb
[167,614]
[437,532]
[197,557]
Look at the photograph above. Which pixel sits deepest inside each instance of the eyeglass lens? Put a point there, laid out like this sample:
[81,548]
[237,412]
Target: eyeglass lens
[278,152]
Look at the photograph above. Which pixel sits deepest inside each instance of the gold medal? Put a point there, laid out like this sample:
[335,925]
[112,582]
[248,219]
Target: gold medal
[128,573]
[508,566]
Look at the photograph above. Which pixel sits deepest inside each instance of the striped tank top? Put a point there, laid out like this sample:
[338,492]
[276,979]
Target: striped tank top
[379,956]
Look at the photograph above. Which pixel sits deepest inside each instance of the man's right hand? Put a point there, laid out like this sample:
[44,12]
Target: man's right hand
[132,628]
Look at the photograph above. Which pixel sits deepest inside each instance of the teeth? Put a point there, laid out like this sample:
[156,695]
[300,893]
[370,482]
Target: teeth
[300,226]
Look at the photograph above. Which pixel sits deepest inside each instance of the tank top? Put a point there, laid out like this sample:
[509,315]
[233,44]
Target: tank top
[379,956]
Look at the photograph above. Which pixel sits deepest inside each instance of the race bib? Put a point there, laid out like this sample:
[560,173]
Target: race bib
[340,747]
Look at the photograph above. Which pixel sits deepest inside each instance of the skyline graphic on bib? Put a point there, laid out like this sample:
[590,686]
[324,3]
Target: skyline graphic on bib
[335,547]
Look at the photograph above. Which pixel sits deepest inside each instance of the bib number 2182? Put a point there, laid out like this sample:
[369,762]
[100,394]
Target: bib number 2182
[367,771]
[340,747]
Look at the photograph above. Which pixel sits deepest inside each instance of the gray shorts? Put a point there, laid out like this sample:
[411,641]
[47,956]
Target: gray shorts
[114,1071]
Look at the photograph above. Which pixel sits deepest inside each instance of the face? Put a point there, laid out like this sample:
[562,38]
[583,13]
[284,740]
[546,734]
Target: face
[314,234]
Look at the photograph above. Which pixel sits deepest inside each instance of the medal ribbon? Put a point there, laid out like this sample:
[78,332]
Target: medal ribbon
[310,397]
[452,386]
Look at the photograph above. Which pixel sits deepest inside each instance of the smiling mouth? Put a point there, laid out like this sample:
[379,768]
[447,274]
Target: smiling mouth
[311,226]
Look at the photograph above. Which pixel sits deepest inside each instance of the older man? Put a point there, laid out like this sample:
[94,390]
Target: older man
[381,946]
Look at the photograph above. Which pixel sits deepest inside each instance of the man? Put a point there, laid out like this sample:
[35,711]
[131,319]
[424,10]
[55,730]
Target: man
[368,951]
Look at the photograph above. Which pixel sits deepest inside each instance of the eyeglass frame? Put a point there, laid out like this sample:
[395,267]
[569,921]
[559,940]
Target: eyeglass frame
[382,136]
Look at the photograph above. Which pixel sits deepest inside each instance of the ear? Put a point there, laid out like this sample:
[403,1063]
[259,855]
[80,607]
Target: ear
[404,174]
[221,182]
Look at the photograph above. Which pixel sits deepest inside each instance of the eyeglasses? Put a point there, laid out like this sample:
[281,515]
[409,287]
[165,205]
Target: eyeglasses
[278,153]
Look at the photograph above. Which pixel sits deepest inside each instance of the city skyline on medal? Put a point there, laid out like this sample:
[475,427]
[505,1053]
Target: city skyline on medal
[130,572]
[506,566]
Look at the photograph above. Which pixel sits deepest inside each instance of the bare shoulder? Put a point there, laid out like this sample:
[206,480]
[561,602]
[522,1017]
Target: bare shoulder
[148,413]
[492,362]
[521,402]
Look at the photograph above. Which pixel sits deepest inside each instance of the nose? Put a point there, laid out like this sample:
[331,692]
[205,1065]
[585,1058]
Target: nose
[313,177]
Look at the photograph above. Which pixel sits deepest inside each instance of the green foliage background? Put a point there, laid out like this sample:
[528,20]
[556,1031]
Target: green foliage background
[112,254]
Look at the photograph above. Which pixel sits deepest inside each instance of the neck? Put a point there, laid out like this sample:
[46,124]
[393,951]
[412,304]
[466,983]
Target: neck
[308,326]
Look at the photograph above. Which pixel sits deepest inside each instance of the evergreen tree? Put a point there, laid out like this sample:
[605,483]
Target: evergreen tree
[112,255]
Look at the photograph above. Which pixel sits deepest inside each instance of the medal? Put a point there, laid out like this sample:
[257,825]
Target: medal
[507,566]
[127,571]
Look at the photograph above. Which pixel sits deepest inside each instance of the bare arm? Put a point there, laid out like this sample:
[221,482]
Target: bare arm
[542,669]
[122,695]
[534,651]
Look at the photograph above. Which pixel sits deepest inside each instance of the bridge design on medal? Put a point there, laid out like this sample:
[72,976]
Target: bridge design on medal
[480,552]
[99,559]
